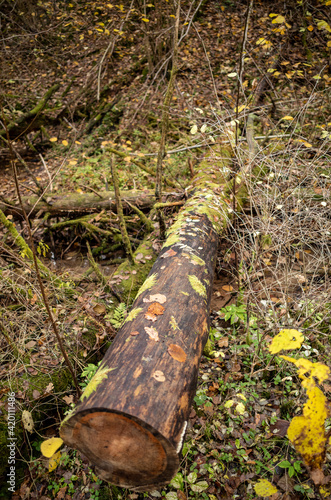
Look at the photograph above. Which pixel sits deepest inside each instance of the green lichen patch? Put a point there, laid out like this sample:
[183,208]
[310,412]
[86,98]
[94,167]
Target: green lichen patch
[95,381]
[196,260]
[173,323]
[171,240]
[68,415]
[197,286]
[149,283]
[133,314]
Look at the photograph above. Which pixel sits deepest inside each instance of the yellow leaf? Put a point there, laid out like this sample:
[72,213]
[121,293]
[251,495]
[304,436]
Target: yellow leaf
[77,142]
[127,158]
[229,403]
[27,421]
[278,20]
[53,139]
[286,339]
[145,20]
[79,190]
[264,488]
[227,288]
[65,143]
[307,371]
[310,28]
[307,433]
[261,41]
[73,162]
[287,117]
[240,408]
[50,446]
[240,108]
[54,461]
[307,144]
[323,25]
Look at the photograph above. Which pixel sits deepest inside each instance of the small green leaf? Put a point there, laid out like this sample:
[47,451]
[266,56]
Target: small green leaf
[191,478]
[285,464]
[199,486]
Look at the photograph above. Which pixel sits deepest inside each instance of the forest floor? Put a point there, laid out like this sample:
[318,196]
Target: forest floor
[273,266]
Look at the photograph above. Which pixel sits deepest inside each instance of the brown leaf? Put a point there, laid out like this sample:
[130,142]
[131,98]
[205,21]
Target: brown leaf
[224,342]
[152,333]
[49,388]
[317,476]
[181,495]
[177,353]
[150,317]
[35,394]
[227,288]
[155,308]
[99,309]
[158,297]
[168,253]
[280,426]
[34,299]
[285,483]
[134,333]
[30,344]
[68,399]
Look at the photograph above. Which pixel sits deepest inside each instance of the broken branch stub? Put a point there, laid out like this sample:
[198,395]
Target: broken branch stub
[132,417]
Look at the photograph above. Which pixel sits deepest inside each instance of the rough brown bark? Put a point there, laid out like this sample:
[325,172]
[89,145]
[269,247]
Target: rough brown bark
[132,417]
[63,204]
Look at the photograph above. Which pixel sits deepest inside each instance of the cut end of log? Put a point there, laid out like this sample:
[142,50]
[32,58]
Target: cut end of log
[127,452]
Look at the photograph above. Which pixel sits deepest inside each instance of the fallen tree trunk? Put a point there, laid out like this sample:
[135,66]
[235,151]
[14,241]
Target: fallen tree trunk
[27,121]
[132,416]
[63,204]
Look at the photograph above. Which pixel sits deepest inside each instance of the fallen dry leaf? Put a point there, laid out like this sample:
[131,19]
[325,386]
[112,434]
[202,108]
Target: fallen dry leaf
[152,333]
[156,309]
[227,288]
[177,353]
[99,309]
[68,399]
[134,333]
[49,388]
[158,297]
[224,342]
[150,317]
[168,253]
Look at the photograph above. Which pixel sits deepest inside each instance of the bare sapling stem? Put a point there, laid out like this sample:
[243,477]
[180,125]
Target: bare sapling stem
[119,207]
[239,85]
[165,123]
